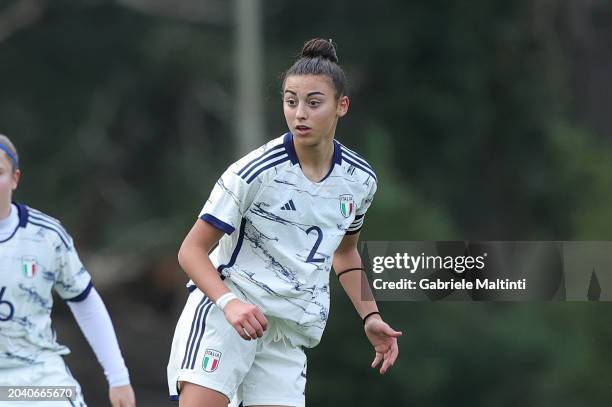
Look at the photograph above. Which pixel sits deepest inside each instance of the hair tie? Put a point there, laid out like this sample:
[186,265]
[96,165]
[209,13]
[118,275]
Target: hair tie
[346,271]
[369,315]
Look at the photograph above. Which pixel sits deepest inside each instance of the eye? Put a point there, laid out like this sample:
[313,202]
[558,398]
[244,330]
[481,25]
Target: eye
[314,103]
[290,102]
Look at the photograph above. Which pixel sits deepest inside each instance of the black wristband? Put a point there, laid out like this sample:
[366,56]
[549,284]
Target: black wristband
[369,315]
[347,270]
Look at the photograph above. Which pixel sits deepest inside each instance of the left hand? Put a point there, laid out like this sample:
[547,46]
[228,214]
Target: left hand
[122,396]
[384,340]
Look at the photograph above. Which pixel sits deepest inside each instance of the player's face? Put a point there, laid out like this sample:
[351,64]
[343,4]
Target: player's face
[312,108]
[8,181]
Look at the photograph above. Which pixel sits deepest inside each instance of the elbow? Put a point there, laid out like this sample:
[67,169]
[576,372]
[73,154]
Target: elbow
[182,257]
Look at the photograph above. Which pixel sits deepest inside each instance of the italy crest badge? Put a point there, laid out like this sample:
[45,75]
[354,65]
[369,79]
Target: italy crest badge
[347,206]
[29,266]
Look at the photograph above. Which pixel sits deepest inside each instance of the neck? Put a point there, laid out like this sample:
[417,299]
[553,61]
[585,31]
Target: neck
[5,210]
[315,160]
[316,156]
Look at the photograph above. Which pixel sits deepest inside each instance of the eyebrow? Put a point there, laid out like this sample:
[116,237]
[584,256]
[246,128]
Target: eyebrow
[309,94]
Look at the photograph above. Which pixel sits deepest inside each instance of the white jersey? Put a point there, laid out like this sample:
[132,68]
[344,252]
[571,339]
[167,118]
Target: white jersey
[37,258]
[282,230]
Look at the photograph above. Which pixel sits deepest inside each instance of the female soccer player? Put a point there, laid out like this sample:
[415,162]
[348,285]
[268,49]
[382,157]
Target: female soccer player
[282,216]
[37,256]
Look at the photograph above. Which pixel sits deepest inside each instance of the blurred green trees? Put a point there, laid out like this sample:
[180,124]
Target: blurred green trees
[473,115]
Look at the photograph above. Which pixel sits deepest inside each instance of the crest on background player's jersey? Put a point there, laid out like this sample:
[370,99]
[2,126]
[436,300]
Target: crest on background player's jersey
[211,360]
[28,266]
[346,205]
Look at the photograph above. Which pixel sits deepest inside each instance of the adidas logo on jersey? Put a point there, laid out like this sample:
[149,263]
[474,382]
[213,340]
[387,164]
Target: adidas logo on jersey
[289,206]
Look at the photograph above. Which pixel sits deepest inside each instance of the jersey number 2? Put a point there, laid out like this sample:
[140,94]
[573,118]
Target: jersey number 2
[311,257]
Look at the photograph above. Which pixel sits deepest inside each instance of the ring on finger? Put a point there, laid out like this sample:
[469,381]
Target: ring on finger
[246,332]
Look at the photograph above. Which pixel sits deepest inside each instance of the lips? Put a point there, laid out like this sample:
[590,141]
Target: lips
[302,128]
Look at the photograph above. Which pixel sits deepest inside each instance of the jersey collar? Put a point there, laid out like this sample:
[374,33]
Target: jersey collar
[290,148]
[22,213]
[22,210]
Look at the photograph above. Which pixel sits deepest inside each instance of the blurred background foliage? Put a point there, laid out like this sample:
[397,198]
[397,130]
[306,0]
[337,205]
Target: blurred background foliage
[484,120]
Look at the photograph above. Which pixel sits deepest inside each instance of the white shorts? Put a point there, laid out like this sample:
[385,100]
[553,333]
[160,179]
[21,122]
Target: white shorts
[207,351]
[53,372]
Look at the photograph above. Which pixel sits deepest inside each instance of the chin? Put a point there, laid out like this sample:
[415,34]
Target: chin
[306,141]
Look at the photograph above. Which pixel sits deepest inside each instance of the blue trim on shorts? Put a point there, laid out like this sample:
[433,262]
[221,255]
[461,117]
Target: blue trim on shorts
[194,333]
[197,348]
[193,321]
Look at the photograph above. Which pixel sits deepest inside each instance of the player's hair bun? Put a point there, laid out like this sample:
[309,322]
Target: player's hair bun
[320,48]
[319,58]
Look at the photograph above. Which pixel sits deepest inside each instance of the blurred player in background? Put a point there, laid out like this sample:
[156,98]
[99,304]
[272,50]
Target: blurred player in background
[38,256]
[282,216]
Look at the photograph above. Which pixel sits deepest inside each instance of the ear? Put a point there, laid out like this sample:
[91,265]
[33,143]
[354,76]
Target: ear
[16,178]
[343,106]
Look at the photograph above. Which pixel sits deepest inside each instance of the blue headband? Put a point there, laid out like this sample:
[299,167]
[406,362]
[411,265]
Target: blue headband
[10,154]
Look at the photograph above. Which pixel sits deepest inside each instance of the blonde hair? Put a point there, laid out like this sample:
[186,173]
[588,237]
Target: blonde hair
[6,142]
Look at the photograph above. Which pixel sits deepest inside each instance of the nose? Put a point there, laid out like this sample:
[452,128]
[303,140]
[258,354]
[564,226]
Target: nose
[301,113]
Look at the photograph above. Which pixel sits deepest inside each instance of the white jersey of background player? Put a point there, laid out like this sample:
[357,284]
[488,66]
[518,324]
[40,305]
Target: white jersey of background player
[282,215]
[37,257]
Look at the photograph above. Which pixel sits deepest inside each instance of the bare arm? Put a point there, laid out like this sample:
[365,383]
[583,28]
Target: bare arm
[247,319]
[347,257]
[382,337]
[193,258]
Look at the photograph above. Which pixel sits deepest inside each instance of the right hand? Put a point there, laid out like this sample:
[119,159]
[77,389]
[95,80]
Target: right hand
[247,319]
[122,396]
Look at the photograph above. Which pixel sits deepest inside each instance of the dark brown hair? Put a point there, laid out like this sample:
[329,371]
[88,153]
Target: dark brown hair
[319,58]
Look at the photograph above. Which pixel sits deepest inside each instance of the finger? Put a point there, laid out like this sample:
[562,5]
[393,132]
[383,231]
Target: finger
[241,331]
[377,359]
[252,333]
[257,326]
[385,366]
[389,360]
[391,332]
[383,347]
[393,353]
[261,319]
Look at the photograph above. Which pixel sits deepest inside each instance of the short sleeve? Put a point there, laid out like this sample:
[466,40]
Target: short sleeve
[357,224]
[367,200]
[229,200]
[72,282]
